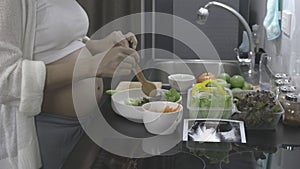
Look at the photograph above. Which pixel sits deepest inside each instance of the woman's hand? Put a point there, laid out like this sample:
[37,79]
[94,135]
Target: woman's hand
[118,60]
[116,38]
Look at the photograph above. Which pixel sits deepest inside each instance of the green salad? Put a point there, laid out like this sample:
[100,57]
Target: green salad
[210,102]
[136,101]
[171,95]
[258,109]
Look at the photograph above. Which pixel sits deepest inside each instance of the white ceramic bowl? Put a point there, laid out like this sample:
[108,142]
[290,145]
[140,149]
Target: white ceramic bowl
[181,82]
[133,113]
[157,122]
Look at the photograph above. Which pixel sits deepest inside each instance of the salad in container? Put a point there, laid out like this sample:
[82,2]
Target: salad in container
[209,102]
[258,109]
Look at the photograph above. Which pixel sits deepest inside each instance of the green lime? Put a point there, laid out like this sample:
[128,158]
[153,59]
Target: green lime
[247,86]
[224,76]
[237,81]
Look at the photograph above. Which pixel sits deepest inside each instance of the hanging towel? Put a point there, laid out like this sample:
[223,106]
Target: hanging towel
[271,21]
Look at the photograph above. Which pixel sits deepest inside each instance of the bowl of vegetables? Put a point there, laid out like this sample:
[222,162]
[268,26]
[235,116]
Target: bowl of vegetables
[258,109]
[209,102]
[162,117]
[128,103]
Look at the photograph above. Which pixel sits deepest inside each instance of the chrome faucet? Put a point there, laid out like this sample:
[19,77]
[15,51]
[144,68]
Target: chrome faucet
[202,16]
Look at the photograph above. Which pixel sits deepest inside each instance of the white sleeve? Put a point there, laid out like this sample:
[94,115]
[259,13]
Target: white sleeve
[20,80]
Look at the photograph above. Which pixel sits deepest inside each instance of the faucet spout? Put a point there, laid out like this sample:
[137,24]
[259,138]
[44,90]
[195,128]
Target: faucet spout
[203,14]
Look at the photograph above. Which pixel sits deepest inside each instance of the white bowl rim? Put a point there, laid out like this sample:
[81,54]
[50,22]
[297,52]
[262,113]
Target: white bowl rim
[172,127]
[173,77]
[139,89]
[168,102]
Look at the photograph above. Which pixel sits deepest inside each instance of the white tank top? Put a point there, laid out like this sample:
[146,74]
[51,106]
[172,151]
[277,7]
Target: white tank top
[60,27]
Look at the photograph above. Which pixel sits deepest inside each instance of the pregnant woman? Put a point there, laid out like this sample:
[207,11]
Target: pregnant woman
[40,41]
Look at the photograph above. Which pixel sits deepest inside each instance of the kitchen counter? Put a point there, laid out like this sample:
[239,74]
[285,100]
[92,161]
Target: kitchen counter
[281,135]
[262,150]
[261,145]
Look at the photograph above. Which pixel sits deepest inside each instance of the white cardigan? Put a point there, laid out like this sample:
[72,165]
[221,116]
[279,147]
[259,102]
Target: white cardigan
[21,85]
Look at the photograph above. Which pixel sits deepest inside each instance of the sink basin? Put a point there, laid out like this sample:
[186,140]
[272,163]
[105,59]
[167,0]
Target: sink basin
[159,71]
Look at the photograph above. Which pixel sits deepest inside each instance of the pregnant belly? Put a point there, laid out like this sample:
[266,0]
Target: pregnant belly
[77,102]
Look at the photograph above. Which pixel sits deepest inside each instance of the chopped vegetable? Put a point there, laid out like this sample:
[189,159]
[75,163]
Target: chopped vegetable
[136,101]
[203,87]
[258,108]
[210,102]
[111,92]
[169,109]
[172,95]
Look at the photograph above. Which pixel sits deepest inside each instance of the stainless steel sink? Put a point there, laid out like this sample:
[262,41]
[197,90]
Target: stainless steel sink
[159,70]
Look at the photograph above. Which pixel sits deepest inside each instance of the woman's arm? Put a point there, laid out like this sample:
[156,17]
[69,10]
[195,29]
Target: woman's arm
[61,75]
[10,51]
[116,38]
[115,46]
[62,72]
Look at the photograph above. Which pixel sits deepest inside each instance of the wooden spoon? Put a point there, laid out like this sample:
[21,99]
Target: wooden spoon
[149,88]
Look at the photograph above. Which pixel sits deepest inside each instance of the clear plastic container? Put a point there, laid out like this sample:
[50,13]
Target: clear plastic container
[281,76]
[256,119]
[264,75]
[283,90]
[295,69]
[278,83]
[213,112]
[292,109]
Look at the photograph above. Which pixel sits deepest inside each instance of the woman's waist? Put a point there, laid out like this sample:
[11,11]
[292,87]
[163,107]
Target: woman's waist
[84,88]
[81,96]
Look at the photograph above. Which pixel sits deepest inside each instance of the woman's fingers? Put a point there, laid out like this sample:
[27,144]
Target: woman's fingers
[118,39]
[130,52]
[118,59]
[131,38]
[121,39]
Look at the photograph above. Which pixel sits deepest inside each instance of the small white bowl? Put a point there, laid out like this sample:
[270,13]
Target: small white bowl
[181,82]
[158,122]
